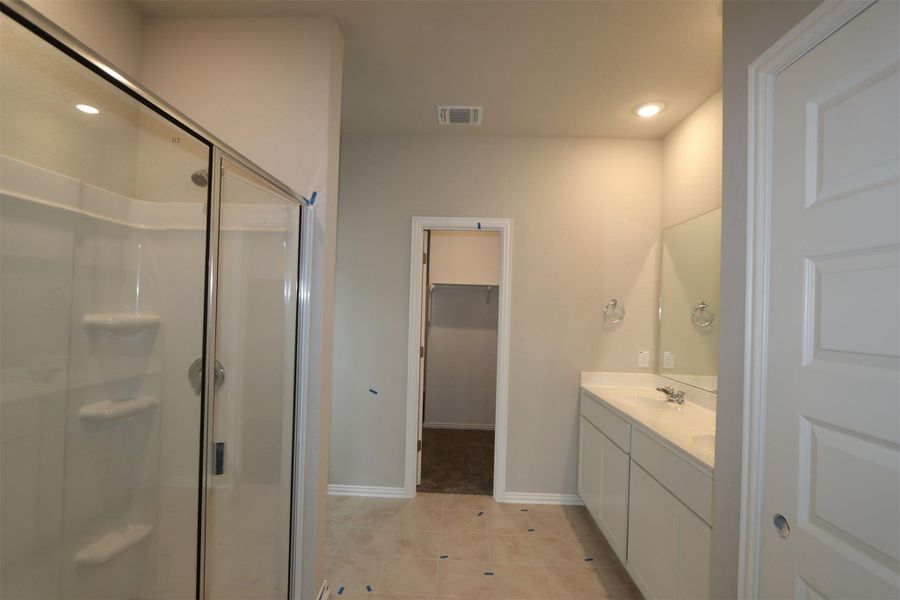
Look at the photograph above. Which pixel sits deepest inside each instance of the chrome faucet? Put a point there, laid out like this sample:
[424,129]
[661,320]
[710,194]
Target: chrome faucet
[672,395]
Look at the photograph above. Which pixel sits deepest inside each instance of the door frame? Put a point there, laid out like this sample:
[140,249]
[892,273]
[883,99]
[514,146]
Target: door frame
[419,225]
[806,35]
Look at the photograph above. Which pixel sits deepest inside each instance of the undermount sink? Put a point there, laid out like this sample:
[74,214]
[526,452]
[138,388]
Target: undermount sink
[638,401]
[705,442]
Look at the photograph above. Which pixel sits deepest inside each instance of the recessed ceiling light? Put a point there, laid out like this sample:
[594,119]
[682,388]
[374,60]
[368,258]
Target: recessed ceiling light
[87,108]
[650,109]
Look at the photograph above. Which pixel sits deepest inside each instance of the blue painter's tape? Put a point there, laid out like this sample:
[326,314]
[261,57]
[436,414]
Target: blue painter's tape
[312,199]
[444,557]
[481,513]
[373,392]
[531,530]
[341,591]
[488,572]
[479,225]
[523,510]
[368,588]
[589,559]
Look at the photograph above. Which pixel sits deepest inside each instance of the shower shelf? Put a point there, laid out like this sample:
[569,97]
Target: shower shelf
[112,544]
[109,410]
[120,321]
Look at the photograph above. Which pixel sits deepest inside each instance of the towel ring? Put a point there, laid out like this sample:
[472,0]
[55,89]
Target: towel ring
[703,315]
[614,312]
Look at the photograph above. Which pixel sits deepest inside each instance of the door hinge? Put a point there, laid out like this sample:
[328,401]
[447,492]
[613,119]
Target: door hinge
[421,351]
[424,258]
[419,446]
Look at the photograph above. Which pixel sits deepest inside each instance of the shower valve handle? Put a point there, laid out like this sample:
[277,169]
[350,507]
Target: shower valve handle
[195,375]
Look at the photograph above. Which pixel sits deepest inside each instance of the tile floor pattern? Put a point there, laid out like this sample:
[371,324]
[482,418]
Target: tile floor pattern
[449,547]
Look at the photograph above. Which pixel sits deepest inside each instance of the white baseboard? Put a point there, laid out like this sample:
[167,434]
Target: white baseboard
[480,427]
[536,498]
[370,491]
[324,592]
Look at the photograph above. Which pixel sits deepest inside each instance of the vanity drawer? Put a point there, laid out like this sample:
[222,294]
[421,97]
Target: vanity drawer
[612,425]
[688,483]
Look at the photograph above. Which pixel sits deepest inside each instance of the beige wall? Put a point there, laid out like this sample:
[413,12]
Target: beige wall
[749,29]
[586,217]
[222,72]
[471,257]
[113,29]
[692,164]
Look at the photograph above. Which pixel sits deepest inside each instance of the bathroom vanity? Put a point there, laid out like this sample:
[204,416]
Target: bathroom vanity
[645,471]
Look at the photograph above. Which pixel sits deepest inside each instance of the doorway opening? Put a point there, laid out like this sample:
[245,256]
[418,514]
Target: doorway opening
[459,358]
[457,388]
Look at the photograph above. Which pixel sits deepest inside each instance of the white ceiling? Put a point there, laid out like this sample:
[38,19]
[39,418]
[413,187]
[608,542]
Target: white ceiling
[553,68]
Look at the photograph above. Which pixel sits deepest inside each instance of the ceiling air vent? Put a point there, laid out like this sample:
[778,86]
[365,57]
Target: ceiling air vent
[460,115]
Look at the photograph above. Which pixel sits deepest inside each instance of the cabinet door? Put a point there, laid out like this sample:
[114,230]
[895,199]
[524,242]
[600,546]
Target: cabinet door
[590,467]
[694,547]
[668,545]
[603,485]
[613,518]
[652,536]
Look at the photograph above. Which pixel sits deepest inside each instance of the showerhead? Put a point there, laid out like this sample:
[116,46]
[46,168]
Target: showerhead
[200,178]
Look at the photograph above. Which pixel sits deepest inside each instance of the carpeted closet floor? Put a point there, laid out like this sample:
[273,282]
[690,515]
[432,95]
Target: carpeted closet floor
[457,461]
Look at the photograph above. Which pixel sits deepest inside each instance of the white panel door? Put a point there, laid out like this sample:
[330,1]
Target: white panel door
[832,393]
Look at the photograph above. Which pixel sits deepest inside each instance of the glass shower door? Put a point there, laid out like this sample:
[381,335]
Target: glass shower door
[248,521]
[103,235]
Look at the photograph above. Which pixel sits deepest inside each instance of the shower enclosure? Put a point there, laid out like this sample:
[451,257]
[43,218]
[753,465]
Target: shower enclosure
[152,296]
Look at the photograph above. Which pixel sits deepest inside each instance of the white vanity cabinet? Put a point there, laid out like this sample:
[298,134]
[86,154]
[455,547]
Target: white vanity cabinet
[652,502]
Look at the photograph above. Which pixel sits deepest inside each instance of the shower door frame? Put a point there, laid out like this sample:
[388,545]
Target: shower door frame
[36,23]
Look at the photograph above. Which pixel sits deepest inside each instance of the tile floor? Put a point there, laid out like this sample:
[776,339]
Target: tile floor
[449,547]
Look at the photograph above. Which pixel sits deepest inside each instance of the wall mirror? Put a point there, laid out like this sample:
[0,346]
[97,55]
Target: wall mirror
[689,301]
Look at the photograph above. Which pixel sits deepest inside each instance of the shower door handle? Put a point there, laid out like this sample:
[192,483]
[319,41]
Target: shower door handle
[219,467]
[195,375]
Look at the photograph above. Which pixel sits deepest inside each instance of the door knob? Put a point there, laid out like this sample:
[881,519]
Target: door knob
[782,526]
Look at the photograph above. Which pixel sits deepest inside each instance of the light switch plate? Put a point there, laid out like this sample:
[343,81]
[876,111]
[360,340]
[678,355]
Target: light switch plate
[644,359]
[668,360]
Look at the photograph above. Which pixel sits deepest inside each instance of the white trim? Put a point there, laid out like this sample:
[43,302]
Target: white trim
[419,225]
[369,491]
[538,498]
[817,26]
[324,592]
[475,426]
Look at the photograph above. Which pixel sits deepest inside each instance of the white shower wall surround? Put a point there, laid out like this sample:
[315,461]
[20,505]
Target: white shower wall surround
[120,494]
